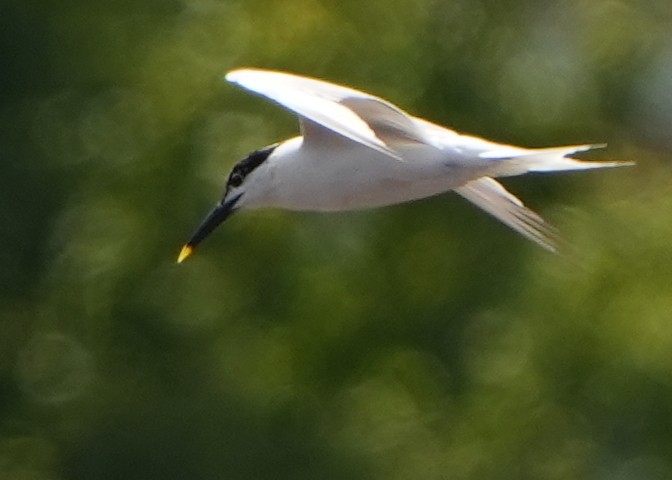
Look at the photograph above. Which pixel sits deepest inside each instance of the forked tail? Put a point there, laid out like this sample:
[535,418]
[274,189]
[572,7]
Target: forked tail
[553,159]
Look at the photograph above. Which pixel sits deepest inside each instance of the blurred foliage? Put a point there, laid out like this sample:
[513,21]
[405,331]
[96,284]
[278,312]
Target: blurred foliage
[420,341]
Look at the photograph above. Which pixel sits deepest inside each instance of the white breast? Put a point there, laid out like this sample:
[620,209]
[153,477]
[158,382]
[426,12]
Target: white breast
[350,176]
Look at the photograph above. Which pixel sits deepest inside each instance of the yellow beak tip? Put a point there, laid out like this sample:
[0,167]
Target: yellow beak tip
[184,253]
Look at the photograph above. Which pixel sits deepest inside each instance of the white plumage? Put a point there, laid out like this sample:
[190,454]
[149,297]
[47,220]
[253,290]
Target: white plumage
[359,151]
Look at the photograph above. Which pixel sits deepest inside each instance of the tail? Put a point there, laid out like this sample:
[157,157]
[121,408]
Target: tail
[553,159]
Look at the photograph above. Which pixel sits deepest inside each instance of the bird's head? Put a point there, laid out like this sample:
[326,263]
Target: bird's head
[243,188]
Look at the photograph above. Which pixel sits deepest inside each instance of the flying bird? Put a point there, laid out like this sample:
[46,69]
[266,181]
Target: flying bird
[359,151]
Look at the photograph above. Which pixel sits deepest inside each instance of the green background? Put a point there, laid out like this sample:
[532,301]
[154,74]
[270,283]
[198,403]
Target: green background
[420,341]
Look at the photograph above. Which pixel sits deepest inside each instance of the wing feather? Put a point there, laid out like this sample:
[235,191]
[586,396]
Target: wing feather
[492,197]
[355,115]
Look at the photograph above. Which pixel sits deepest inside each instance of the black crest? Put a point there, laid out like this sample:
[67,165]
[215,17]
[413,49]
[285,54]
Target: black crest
[248,164]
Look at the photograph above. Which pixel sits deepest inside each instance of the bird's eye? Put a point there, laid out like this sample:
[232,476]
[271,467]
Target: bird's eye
[236,180]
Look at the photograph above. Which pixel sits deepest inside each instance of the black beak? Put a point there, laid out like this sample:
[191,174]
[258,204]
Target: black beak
[220,213]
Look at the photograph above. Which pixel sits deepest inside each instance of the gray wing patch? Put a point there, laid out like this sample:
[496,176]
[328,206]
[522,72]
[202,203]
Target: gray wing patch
[390,124]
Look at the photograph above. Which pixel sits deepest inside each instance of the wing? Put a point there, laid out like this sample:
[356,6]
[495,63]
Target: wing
[466,145]
[492,197]
[360,117]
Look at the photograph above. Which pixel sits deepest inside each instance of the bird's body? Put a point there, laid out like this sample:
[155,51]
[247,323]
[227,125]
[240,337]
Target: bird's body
[356,177]
[358,151]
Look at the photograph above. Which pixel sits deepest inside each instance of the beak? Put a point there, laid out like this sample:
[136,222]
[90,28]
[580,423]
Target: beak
[220,213]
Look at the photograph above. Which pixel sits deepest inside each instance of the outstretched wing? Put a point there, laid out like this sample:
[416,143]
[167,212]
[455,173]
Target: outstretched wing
[355,115]
[492,197]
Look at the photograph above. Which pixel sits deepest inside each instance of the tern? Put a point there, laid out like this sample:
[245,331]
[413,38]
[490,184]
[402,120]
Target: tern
[359,151]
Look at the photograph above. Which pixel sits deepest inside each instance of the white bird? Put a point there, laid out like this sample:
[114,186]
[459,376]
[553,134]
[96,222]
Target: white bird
[359,151]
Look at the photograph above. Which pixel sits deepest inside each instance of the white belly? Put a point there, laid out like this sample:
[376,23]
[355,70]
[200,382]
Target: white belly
[359,177]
